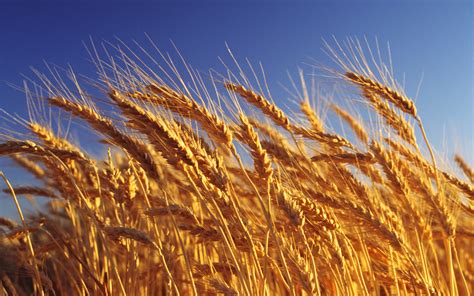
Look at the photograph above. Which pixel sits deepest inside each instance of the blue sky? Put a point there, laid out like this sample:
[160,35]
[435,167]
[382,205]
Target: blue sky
[429,39]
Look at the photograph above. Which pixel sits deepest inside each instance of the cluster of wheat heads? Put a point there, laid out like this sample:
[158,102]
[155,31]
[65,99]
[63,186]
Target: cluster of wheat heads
[192,199]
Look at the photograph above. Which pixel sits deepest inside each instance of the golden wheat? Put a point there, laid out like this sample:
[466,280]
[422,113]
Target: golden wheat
[243,207]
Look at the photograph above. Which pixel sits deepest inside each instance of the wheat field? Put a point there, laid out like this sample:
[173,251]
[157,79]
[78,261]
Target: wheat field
[207,187]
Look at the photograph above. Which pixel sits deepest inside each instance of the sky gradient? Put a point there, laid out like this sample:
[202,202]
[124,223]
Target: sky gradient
[430,41]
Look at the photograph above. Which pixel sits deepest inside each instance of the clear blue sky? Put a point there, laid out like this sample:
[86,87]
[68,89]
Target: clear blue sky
[433,39]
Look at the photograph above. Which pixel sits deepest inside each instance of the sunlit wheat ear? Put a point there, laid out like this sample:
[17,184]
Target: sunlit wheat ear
[28,147]
[31,166]
[353,158]
[385,92]
[467,170]
[117,232]
[31,190]
[316,123]
[291,207]
[268,108]
[50,139]
[261,161]
[358,129]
